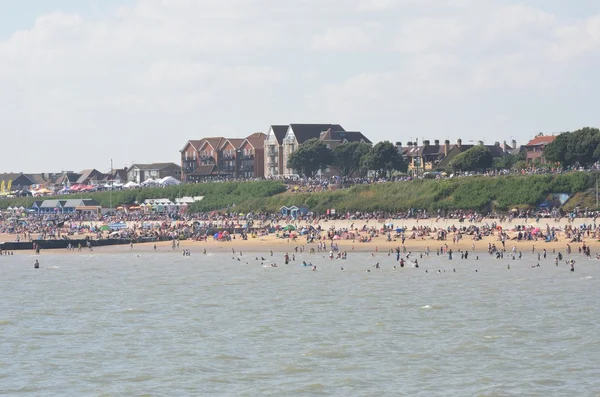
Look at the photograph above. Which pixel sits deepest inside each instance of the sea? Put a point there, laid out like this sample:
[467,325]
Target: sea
[161,324]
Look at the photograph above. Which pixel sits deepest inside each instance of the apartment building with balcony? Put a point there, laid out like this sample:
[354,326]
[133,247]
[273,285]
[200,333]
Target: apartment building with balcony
[221,158]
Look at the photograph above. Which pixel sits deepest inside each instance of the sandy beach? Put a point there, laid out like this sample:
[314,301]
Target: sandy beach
[379,243]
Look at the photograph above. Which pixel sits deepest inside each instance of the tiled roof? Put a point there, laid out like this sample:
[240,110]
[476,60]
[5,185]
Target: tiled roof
[541,140]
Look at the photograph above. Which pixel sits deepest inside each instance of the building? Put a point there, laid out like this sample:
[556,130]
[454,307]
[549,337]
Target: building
[534,149]
[436,156]
[297,134]
[252,156]
[283,140]
[426,157]
[273,149]
[496,151]
[220,157]
[139,173]
[66,206]
[17,181]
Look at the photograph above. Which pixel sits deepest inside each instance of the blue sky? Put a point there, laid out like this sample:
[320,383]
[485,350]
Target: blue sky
[133,80]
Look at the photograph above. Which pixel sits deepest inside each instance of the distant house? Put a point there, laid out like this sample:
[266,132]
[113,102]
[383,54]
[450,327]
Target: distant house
[283,140]
[18,181]
[67,178]
[90,177]
[251,158]
[273,149]
[496,151]
[139,173]
[220,157]
[116,176]
[534,149]
[190,159]
[297,134]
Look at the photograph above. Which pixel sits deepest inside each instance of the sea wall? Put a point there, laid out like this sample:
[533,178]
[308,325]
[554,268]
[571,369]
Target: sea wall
[59,244]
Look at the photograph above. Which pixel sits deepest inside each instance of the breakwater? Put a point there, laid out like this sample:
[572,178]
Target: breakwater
[60,244]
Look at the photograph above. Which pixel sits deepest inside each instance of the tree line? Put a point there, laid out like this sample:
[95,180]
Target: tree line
[580,148]
[349,159]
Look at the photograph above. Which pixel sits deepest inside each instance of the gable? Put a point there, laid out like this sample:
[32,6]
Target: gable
[278,132]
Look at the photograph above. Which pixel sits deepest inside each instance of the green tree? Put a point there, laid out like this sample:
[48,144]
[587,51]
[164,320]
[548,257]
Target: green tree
[478,158]
[384,159]
[347,157]
[506,162]
[556,151]
[312,156]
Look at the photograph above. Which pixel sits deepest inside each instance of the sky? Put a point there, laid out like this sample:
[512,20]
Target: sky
[84,82]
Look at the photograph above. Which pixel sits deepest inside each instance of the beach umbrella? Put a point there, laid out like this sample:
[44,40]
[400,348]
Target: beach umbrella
[289,227]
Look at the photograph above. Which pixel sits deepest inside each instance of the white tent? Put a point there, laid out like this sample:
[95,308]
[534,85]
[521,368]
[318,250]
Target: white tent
[168,181]
[149,182]
[130,185]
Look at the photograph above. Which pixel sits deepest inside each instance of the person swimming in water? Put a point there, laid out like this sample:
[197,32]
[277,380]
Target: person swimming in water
[36,265]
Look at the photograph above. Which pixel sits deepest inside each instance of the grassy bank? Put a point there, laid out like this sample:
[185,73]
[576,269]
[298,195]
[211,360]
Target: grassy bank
[478,193]
[216,195]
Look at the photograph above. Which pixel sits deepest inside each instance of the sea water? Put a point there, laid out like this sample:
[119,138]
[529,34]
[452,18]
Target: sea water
[167,325]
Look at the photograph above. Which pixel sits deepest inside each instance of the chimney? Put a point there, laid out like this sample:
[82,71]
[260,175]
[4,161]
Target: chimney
[416,143]
[446,147]
[426,143]
[514,144]
[409,143]
[459,143]
[497,143]
[436,142]
[480,143]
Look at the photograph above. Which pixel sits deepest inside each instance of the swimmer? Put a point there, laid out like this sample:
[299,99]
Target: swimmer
[342,268]
[314,268]
[36,265]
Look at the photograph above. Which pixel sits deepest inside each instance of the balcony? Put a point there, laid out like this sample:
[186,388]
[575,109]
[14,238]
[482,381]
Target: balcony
[247,157]
[273,163]
[227,156]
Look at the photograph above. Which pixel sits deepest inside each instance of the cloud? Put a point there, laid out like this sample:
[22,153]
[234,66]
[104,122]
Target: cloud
[345,38]
[139,82]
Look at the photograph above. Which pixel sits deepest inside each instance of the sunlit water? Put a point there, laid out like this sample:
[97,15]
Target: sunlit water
[165,325]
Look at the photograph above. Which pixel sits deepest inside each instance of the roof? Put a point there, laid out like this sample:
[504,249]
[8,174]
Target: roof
[203,170]
[256,140]
[279,131]
[23,179]
[541,140]
[52,203]
[235,142]
[348,136]
[154,166]
[87,175]
[195,143]
[304,132]
[215,142]
[67,177]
